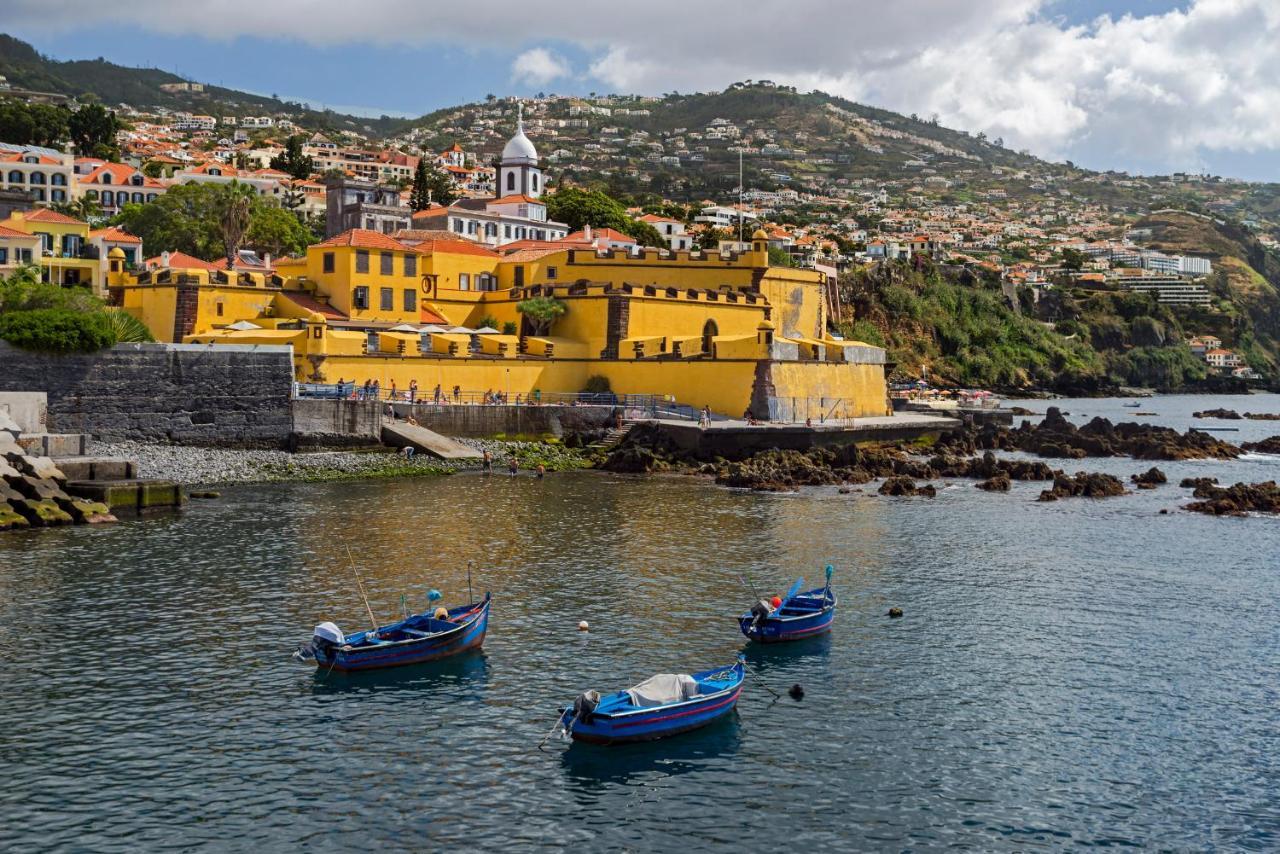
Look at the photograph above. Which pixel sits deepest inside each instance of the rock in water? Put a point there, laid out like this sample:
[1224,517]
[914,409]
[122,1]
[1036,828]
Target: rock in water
[1083,484]
[1269,445]
[796,692]
[1237,499]
[997,483]
[895,613]
[1149,479]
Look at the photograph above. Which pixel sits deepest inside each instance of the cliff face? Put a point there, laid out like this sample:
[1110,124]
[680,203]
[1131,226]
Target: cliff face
[969,332]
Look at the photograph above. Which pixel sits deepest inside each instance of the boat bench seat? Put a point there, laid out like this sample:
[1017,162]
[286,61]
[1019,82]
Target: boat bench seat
[415,633]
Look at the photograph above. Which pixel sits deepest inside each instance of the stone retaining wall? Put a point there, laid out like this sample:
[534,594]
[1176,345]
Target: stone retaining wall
[480,422]
[237,396]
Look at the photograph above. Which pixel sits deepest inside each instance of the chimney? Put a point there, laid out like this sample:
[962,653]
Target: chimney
[586,233]
[164,259]
[266,260]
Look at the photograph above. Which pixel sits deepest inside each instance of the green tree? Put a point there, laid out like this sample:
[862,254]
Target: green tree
[235,210]
[57,330]
[779,257]
[420,196]
[542,312]
[292,160]
[93,129]
[1073,259]
[431,186]
[32,124]
[579,207]
[85,208]
[276,230]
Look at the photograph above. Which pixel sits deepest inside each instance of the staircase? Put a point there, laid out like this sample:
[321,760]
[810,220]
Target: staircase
[612,439]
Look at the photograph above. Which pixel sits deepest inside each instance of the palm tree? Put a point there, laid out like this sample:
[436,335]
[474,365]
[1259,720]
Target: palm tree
[233,220]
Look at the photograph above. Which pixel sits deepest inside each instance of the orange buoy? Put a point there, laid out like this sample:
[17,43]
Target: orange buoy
[776,601]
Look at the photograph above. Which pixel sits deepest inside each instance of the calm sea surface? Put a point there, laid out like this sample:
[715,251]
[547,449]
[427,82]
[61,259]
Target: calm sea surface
[1068,674]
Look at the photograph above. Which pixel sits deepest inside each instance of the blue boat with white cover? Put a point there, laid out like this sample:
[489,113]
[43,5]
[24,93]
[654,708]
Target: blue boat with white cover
[798,616]
[663,705]
[416,639]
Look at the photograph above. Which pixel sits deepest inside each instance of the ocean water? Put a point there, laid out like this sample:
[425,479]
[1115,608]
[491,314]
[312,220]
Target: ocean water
[1079,673]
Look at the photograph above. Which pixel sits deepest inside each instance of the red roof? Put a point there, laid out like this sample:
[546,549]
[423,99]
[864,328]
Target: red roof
[606,233]
[46,215]
[363,238]
[456,245]
[115,235]
[309,303]
[20,156]
[120,174]
[517,198]
[180,261]
[656,218]
[13,232]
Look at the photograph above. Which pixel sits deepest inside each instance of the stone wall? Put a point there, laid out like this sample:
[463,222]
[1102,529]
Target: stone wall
[486,421]
[335,423]
[236,396]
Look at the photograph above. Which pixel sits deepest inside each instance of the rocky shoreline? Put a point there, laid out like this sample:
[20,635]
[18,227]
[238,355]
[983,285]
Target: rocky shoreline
[196,466]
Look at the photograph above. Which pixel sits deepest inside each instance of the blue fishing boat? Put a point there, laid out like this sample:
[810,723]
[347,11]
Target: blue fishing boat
[798,616]
[666,704]
[415,639]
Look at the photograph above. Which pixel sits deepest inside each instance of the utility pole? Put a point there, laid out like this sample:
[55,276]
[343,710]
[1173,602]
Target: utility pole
[739,197]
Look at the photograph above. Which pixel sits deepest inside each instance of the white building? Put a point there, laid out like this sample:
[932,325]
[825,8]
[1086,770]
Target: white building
[672,231]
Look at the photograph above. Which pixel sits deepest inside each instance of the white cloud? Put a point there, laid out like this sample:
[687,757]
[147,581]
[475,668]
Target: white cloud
[539,66]
[1161,91]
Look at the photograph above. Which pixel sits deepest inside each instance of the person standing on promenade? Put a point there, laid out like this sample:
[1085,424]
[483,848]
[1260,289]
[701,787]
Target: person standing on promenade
[436,394]
[413,390]
[457,393]
[376,388]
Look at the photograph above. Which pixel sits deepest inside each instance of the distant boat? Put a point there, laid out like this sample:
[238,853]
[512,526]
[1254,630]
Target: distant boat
[661,706]
[1133,405]
[415,639]
[798,616]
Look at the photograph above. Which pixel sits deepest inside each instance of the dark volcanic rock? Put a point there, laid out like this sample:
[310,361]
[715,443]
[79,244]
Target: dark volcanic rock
[906,486]
[1262,416]
[1057,437]
[1084,484]
[1226,414]
[1270,445]
[1198,483]
[996,483]
[1237,499]
[1150,478]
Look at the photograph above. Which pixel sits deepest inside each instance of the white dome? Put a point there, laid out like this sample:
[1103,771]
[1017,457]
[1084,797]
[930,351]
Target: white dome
[519,147]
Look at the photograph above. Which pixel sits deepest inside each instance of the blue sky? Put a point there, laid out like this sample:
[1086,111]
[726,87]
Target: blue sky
[1144,85]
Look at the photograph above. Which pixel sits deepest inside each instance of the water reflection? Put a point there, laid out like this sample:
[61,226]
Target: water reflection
[589,769]
[463,676]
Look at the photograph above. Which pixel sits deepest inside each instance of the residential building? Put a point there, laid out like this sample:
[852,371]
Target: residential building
[43,173]
[115,185]
[672,231]
[352,203]
[65,255]
[17,249]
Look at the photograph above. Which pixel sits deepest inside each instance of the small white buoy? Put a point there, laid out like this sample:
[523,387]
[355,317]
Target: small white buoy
[582,626]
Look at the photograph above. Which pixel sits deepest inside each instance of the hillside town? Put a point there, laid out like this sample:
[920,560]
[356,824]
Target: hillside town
[1026,223]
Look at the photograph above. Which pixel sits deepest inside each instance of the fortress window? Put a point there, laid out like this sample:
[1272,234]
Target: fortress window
[362,260]
[551,272]
[328,262]
[386,263]
[360,298]
[410,299]
[410,265]
[387,299]
[464,281]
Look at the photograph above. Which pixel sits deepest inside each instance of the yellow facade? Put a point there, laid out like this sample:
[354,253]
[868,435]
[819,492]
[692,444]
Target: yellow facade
[726,331]
[65,256]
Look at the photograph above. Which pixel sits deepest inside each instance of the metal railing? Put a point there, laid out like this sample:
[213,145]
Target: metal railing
[642,405]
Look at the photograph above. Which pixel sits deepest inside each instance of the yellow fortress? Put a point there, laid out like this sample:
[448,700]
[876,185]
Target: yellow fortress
[723,330]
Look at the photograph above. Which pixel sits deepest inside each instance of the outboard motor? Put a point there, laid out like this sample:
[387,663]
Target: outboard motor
[326,638]
[760,612]
[584,705]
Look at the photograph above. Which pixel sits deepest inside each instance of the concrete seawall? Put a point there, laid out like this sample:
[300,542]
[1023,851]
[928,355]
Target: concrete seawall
[236,396]
[484,421]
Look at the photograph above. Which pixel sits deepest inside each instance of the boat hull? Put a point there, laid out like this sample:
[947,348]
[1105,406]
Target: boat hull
[468,636]
[775,629]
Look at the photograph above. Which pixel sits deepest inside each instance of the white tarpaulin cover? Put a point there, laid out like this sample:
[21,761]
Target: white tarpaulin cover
[662,689]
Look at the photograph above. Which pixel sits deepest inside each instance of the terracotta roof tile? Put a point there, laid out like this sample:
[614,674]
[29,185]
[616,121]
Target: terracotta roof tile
[46,215]
[115,235]
[362,238]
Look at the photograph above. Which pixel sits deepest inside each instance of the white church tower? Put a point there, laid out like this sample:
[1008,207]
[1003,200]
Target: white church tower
[518,173]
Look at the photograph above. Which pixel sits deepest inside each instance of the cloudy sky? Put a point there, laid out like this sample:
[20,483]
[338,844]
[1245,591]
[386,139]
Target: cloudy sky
[1143,85]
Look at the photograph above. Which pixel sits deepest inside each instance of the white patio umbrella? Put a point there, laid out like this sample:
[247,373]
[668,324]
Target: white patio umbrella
[243,325]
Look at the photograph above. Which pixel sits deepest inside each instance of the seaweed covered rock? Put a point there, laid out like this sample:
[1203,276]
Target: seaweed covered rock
[1149,479]
[645,449]
[1237,499]
[1084,485]
[1270,445]
[1225,414]
[1198,483]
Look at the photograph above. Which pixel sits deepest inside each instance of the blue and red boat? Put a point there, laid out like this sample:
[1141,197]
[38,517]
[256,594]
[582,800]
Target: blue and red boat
[416,639]
[796,617]
[664,705]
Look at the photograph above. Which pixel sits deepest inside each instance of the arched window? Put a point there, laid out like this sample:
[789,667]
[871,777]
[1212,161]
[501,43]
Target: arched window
[137,197]
[93,194]
[136,180]
[15,177]
[37,177]
[58,179]
[106,177]
[108,198]
[709,332]
[511,182]
[151,197]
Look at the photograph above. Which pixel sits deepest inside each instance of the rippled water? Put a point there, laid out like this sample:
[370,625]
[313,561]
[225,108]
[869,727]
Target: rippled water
[1082,672]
